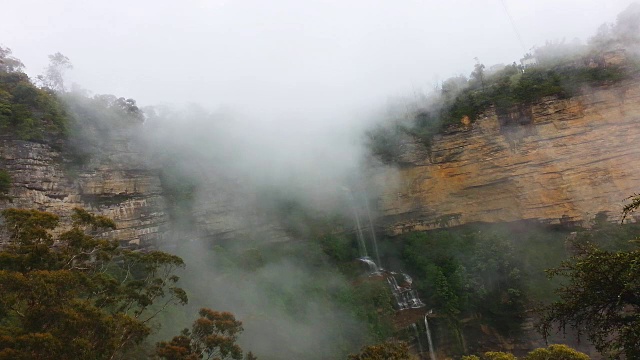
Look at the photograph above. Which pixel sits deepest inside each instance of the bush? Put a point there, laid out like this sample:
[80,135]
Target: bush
[556,352]
[29,113]
[504,90]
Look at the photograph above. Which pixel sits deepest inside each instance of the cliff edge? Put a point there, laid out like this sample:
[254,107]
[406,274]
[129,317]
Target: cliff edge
[558,161]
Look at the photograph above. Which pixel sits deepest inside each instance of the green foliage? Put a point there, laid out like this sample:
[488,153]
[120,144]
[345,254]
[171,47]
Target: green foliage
[82,217]
[538,249]
[511,87]
[75,296]
[386,142]
[213,335]
[467,273]
[600,298]
[556,352]
[390,350]
[340,248]
[553,352]
[96,123]
[372,302]
[561,72]
[103,113]
[27,112]
[497,355]
[608,235]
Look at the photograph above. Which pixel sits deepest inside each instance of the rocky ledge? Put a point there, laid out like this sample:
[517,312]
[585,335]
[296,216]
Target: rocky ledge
[114,184]
[559,161]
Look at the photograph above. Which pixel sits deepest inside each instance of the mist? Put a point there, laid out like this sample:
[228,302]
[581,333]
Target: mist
[256,103]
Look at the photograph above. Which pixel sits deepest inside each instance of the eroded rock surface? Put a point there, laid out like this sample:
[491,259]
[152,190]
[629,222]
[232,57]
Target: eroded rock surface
[114,183]
[560,160]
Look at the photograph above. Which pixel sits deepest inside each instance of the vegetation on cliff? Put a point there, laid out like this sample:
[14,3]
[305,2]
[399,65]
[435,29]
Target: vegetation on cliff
[600,294]
[491,276]
[468,274]
[27,112]
[43,110]
[77,296]
[553,352]
[213,335]
[600,299]
[390,350]
[558,70]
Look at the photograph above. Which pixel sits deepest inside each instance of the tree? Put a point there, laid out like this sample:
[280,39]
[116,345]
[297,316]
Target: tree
[556,352]
[26,111]
[54,73]
[478,73]
[631,206]
[601,298]
[8,63]
[627,27]
[212,336]
[76,296]
[390,350]
[553,352]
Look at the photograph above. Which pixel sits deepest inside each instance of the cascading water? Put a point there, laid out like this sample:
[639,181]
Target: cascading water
[373,231]
[405,296]
[361,245]
[415,330]
[373,268]
[432,353]
[407,279]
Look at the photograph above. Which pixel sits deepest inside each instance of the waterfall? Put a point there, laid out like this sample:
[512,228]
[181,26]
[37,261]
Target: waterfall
[415,330]
[407,279]
[373,231]
[373,268]
[361,245]
[405,296]
[432,353]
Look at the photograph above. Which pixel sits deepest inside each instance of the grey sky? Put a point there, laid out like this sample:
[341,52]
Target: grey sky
[284,55]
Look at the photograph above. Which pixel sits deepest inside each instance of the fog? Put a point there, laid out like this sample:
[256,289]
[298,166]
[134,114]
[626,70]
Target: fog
[246,98]
[286,56]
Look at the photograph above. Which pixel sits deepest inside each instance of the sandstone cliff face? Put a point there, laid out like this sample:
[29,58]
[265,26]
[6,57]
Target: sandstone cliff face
[120,182]
[114,183]
[228,209]
[560,160]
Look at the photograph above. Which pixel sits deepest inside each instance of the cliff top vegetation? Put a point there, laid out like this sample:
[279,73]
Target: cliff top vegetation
[27,112]
[557,69]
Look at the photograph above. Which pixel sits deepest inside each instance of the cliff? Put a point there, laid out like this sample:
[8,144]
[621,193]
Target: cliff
[121,181]
[114,183]
[555,161]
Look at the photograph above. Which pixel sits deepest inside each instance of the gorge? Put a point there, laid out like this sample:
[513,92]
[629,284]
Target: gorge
[298,225]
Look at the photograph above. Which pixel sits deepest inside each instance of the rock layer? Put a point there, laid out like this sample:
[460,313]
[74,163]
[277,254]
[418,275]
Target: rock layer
[114,184]
[556,161]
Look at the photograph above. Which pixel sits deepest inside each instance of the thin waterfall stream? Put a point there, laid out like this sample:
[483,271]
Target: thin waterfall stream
[401,284]
[415,330]
[373,231]
[432,353]
[361,245]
